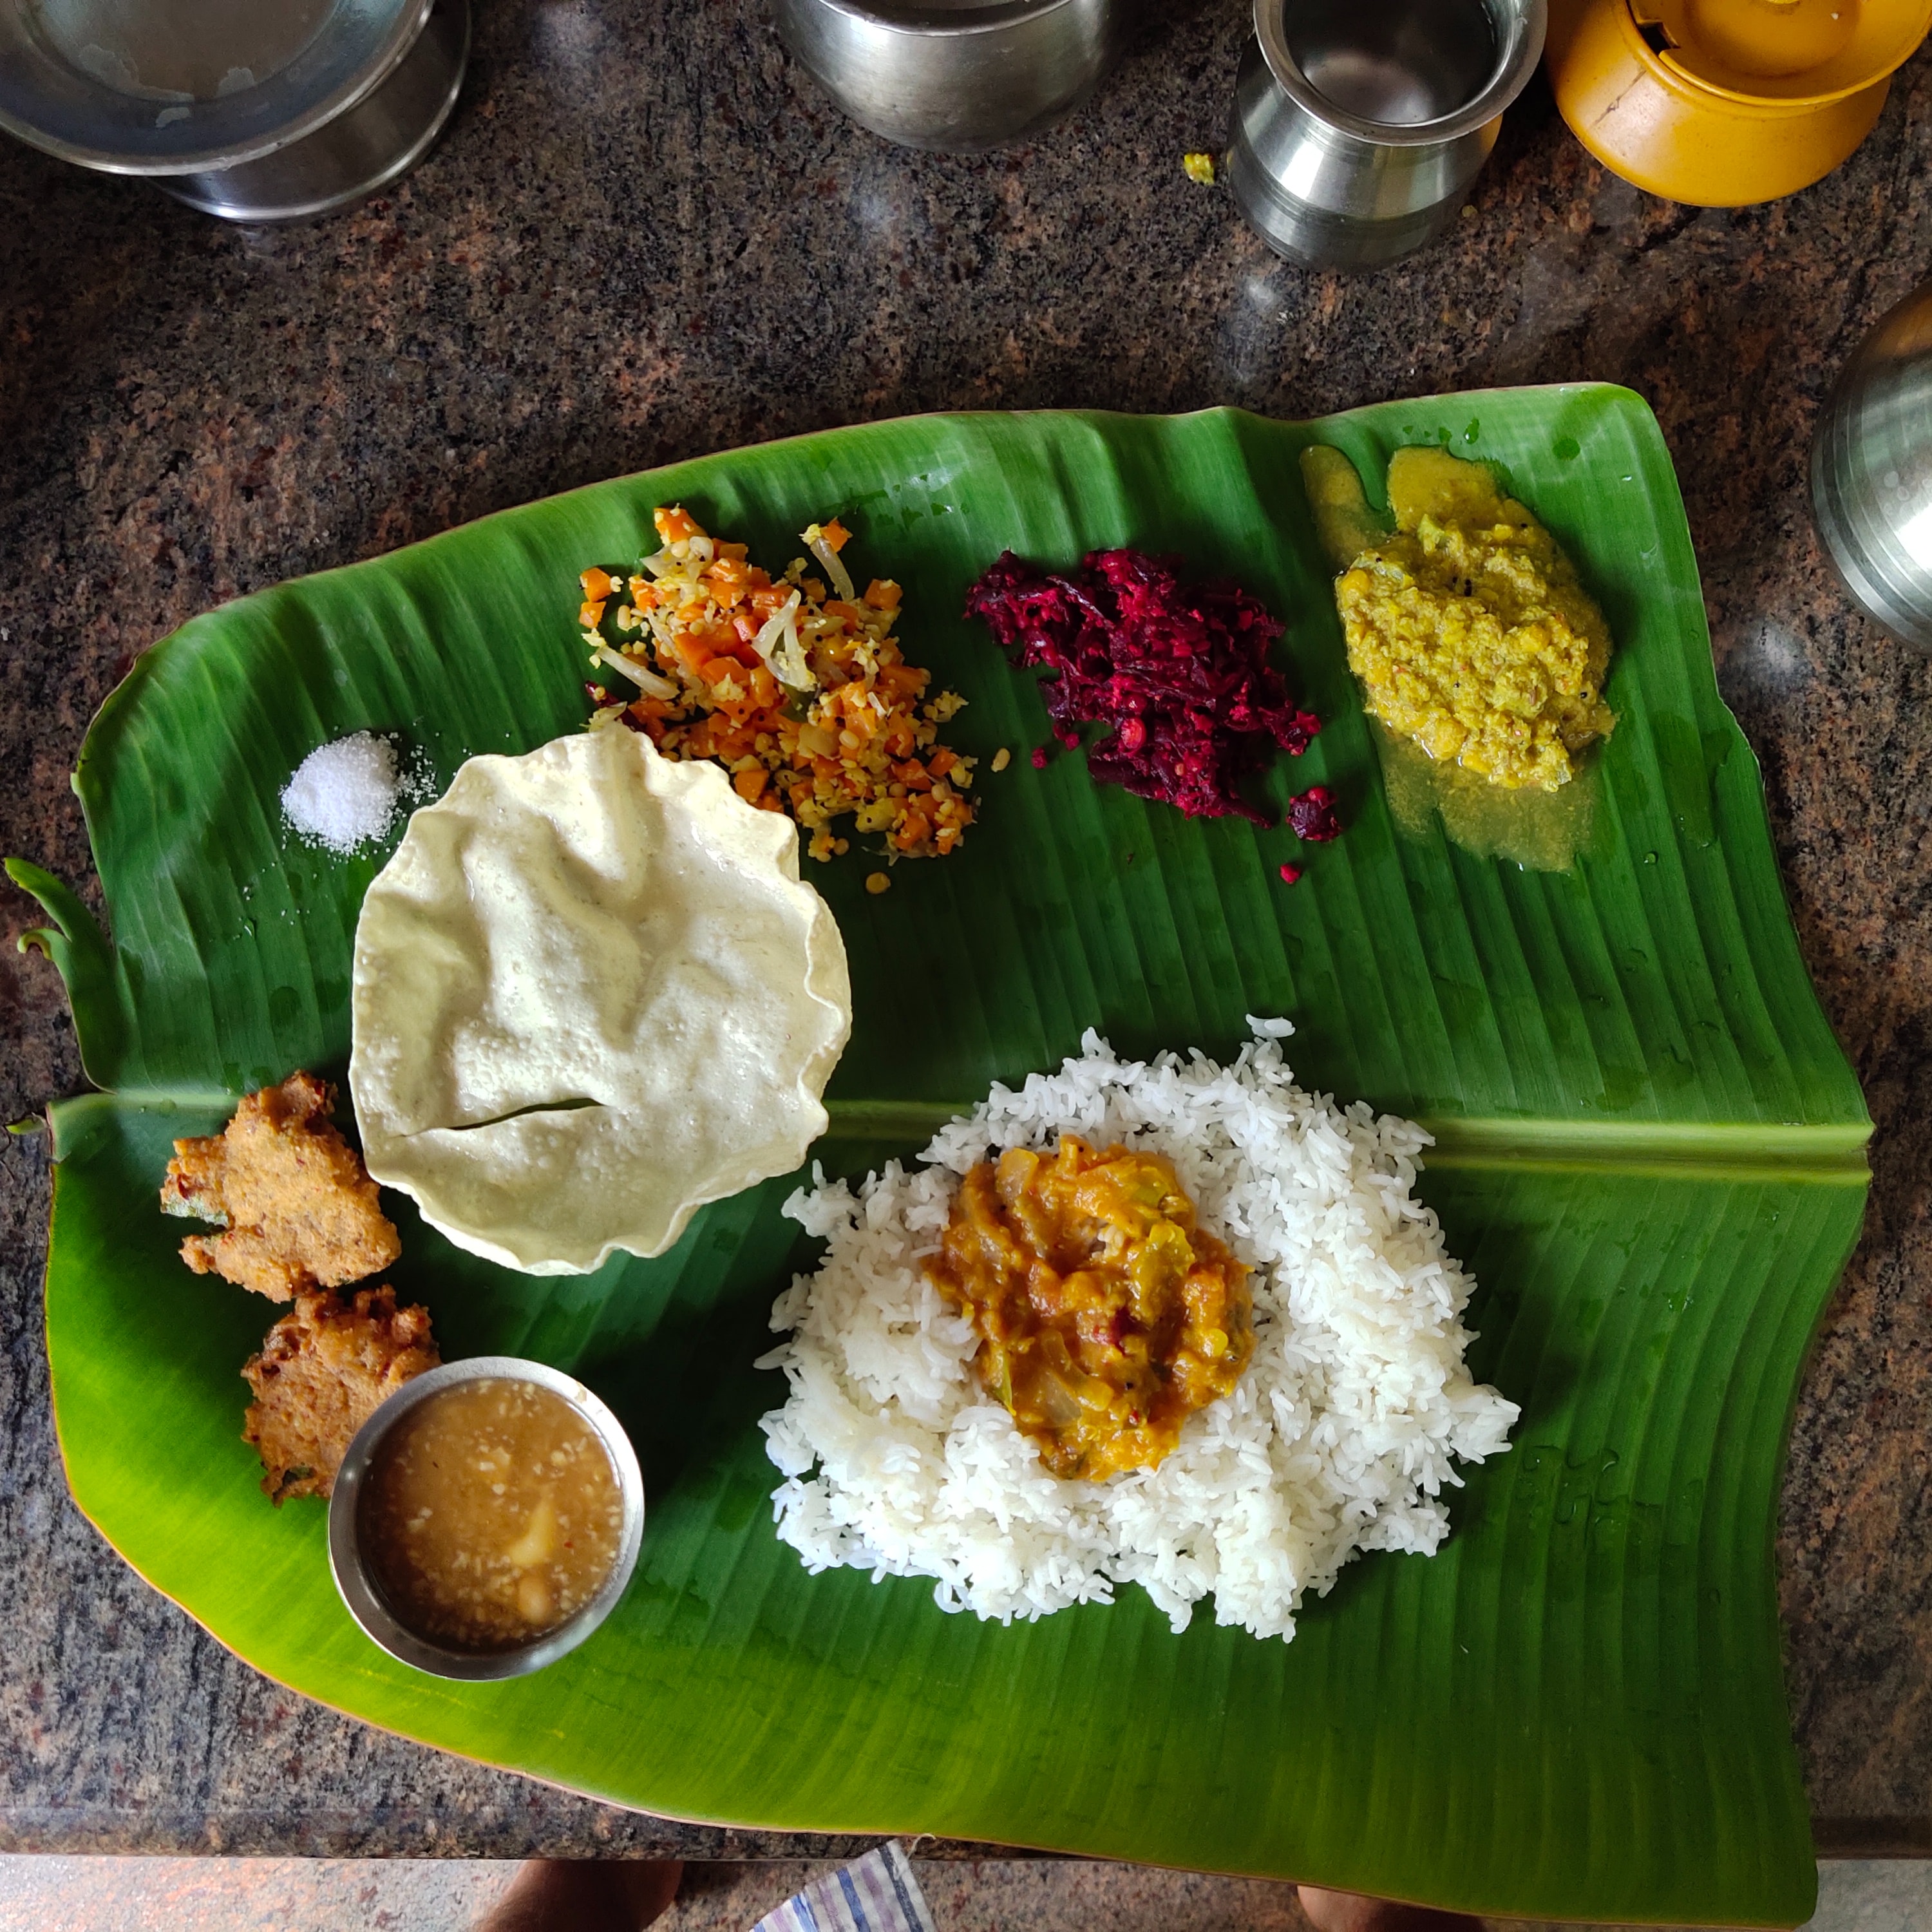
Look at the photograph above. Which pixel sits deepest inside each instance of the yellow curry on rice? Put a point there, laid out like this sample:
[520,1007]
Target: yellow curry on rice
[1467,625]
[1106,1315]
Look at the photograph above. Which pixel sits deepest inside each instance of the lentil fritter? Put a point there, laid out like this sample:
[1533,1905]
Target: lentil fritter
[298,1209]
[323,1368]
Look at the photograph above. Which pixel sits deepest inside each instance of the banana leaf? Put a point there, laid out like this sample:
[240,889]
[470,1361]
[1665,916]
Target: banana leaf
[1649,1153]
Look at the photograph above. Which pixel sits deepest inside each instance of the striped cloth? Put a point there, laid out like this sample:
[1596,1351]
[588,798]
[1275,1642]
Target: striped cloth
[879,1894]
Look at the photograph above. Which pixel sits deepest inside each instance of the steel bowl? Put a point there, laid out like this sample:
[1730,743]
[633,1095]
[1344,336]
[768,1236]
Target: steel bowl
[356,1581]
[1871,472]
[960,76]
[1358,129]
[257,112]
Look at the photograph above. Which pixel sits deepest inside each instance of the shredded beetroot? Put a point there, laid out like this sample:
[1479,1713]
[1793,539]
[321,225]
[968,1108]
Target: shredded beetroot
[1180,672]
[1311,815]
[1289,874]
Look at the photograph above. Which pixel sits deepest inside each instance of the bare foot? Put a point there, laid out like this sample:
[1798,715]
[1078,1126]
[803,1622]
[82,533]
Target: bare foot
[585,1895]
[1351,1912]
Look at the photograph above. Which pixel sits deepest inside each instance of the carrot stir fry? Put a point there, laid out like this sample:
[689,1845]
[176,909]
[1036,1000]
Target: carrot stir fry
[799,690]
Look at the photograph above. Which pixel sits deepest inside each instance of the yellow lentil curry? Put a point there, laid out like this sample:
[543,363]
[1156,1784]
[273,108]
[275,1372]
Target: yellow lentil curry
[1467,625]
[1106,1315]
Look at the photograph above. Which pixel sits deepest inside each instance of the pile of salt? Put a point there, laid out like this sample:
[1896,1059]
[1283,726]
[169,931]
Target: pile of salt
[344,794]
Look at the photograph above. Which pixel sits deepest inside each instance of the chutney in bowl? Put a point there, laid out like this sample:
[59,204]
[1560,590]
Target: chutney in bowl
[487,1518]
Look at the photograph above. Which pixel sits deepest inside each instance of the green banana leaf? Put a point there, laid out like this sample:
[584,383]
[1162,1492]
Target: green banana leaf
[1650,1153]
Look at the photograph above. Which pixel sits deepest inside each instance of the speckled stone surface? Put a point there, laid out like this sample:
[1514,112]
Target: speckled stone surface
[648,235]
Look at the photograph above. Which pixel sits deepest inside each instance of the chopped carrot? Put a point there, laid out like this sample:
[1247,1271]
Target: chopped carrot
[692,654]
[592,615]
[903,680]
[850,732]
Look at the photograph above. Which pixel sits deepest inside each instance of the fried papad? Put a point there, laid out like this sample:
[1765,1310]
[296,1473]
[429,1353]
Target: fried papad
[299,1209]
[323,1368]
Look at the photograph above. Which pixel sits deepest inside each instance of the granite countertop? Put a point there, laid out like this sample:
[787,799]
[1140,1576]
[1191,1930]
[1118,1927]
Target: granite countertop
[647,236]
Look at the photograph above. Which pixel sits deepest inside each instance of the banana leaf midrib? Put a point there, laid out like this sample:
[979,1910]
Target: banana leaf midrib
[1832,1155]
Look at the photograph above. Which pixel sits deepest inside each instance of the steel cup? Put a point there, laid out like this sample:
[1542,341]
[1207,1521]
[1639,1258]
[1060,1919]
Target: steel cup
[1358,128]
[1871,472]
[355,1578]
[960,76]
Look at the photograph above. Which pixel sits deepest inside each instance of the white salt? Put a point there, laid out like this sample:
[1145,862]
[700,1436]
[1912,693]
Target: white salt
[343,794]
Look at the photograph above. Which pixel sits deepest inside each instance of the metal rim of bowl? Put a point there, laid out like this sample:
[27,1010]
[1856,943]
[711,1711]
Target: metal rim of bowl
[357,1587]
[202,191]
[402,36]
[1516,61]
[943,22]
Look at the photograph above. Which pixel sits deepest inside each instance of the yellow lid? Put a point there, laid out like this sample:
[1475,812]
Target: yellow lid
[1787,50]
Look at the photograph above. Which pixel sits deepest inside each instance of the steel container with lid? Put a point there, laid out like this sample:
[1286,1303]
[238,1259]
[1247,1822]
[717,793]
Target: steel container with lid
[960,76]
[258,110]
[1358,129]
[1871,472]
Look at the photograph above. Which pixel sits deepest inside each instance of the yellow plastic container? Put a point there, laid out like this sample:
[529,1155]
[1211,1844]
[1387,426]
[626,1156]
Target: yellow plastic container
[1724,103]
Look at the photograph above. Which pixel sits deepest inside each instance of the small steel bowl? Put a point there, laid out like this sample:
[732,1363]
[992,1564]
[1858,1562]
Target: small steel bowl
[356,1581]
[1358,129]
[960,76]
[1871,472]
[255,112]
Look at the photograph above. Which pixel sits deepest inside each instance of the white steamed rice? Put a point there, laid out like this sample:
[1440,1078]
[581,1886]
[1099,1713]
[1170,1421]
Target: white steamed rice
[1339,1438]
